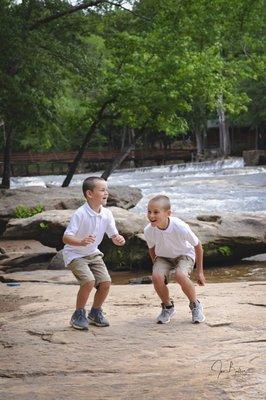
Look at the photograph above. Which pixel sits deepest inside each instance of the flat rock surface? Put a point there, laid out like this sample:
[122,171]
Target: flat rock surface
[59,198]
[43,358]
[23,246]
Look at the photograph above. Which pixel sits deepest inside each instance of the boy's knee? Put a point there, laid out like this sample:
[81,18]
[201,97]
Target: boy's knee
[158,278]
[104,285]
[87,285]
[180,277]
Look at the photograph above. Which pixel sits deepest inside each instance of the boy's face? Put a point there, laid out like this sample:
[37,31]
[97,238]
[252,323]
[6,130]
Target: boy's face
[99,194]
[157,215]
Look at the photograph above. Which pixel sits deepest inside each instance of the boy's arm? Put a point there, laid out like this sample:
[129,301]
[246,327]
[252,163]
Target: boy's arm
[199,264]
[113,233]
[74,241]
[152,253]
[70,237]
[118,240]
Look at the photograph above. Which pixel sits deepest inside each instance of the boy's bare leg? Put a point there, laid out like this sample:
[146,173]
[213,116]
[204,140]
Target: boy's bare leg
[161,288]
[187,286]
[101,294]
[83,294]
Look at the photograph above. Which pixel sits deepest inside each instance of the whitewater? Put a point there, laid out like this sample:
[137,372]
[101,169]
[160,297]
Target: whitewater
[194,188]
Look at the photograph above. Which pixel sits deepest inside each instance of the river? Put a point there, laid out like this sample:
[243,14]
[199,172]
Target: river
[194,188]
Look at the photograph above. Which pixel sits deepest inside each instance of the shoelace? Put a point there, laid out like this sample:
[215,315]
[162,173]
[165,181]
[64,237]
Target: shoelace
[80,315]
[100,316]
[165,312]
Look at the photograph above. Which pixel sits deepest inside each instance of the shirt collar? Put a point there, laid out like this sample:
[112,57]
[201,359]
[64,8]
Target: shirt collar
[92,212]
[168,229]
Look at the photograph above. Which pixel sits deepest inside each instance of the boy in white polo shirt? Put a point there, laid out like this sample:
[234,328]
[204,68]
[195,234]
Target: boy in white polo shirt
[82,237]
[174,249]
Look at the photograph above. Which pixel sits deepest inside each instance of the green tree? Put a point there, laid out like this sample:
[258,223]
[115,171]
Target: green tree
[163,67]
[219,45]
[43,49]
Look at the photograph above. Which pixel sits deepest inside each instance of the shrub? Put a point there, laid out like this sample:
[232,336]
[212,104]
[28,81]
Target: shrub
[225,250]
[25,212]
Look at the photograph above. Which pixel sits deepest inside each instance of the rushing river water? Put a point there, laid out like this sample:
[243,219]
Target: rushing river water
[194,188]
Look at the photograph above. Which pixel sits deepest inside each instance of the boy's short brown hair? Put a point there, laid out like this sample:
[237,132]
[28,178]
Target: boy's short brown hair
[90,183]
[163,200]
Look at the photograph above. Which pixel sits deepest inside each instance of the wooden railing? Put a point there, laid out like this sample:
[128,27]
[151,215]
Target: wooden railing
[101,156]
[31,163]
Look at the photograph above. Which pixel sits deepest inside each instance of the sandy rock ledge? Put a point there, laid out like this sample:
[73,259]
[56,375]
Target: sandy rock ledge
[43,358]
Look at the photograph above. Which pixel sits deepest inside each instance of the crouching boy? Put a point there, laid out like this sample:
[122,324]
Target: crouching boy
[173,248]
[82,237]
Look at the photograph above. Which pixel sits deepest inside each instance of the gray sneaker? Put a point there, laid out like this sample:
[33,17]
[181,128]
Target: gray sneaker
[79,320]
[166,314]
[97,318]
[197,312]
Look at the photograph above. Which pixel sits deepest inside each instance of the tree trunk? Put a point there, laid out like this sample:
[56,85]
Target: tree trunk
[224,138]
[199,142]
[199,124]
[132,140]
[124,131]
[256,145]
[117,161]
[7,158]
[227,141]
[93,127]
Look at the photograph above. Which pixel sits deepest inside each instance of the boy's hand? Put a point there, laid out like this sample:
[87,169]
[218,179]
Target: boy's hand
[87,240]
[200,278]
[118,240]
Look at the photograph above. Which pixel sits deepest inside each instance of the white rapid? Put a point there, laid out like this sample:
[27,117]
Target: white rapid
[194,188]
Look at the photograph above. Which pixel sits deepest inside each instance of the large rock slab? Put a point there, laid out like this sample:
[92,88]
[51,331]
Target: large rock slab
[226,238]
[231,236]
[135,358]
[49,226]
[29,262]
[58,198]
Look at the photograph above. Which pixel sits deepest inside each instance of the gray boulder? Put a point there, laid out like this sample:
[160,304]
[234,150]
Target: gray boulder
[48,227]
[226,238]
[27,262]
[230,237]
[58,198]
[144,280]
[57,262]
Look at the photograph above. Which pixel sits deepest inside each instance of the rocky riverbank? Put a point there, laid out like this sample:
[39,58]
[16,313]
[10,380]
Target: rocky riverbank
[43,358]
[227,238]
[58,198]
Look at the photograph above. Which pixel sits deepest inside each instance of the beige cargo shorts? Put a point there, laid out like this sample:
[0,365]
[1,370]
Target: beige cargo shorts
[169,266]
[90,268]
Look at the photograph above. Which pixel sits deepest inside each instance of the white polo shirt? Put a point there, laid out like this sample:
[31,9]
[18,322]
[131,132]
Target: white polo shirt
[85,221]
[176,240]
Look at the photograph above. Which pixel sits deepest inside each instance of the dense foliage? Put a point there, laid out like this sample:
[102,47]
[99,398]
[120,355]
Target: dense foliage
[160,66]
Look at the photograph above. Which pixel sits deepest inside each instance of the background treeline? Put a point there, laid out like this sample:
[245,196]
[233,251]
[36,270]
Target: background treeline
[93,72]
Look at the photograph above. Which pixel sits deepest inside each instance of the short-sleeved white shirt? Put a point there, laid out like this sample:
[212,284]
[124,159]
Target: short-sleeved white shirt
[176,240]
[85,221]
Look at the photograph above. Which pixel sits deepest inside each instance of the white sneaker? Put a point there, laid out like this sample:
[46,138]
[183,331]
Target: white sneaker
[166,314]
[197,312]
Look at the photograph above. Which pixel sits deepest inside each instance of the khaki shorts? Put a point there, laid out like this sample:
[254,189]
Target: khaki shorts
[90,268]
[169,266]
